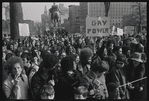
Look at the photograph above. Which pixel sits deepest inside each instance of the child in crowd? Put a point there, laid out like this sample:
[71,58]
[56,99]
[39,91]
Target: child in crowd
[47,92]
[113,91]
[81,93]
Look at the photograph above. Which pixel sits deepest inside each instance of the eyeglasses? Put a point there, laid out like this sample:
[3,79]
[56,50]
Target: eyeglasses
[119,62]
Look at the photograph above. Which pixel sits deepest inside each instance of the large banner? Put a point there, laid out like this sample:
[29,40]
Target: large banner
[24,29]
[97,26]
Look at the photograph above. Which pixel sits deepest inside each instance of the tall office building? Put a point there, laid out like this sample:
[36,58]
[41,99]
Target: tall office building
[64,13]
[74,16]
[45,20]
[94,9]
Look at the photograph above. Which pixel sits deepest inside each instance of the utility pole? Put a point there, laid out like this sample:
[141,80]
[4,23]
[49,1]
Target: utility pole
[107,7]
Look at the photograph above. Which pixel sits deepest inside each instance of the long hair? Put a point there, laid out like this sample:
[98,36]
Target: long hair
[85,54]
[13,60]
[67,63]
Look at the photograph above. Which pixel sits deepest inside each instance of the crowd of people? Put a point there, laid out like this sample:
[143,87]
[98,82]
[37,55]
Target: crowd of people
[70,67]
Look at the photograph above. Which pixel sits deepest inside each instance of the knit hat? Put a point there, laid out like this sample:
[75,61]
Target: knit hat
[50,60]
[121,57]
[85,54]
[98,65]
[112,86]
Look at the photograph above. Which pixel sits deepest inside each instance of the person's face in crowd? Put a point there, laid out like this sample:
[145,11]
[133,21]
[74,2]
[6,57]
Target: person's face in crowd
[142,49]
[33,42]
[114,94]
[16,69]
[19,54]
[111,46]
[15,46]
[128,54]
[57,53]
[24,60]
[33,71]
[135,63]
[78,51]
[74,65]
[79,41]
[57,41]
[69,44]
[76,96]
[4,48]
[71,49]
[128,43]
[47,96]
[120,51]
[5,43]
[4,56]
[45,47]
[142,37]
[138,40]
[77,59]
[120,64]
[104,52]
[52,42]
[35,59]
[89,60]
[70,73]
[11,47]
[63,55]
[99,44]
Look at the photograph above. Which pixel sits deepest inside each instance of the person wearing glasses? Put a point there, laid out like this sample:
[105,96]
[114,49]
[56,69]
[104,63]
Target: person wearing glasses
[118,75]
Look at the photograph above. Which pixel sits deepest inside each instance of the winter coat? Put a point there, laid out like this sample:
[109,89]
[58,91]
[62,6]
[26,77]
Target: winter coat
[89,81]
[40,79]
[119,77]
[9,88]
[134,73]
[65,86]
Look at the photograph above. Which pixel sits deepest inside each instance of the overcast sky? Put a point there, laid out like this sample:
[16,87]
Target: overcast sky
[33,10]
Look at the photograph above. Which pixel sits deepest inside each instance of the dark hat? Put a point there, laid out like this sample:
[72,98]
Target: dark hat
[112,86]
[121,57]
[137,57]
[98,65]
[139,47]
[50,60]
[67,63]
[84,54]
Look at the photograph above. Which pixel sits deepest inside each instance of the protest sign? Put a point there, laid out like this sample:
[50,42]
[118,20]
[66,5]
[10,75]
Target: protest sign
[129,30]
[119,31]
[97,26]
[24,29]
[113,30]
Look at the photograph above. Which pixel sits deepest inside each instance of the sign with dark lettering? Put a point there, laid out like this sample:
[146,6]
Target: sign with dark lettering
[97,26]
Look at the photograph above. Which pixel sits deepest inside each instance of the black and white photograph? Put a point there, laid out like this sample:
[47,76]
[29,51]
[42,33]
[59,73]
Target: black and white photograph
[74,50]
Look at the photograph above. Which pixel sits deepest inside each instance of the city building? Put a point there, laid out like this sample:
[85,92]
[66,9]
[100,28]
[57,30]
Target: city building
[66,25]
[95,9]
[45,20]
[74,18]
[64,10]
